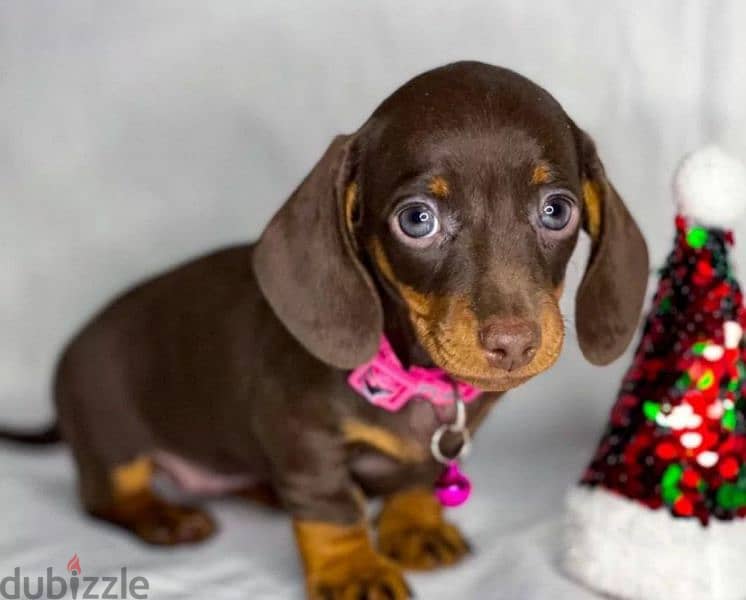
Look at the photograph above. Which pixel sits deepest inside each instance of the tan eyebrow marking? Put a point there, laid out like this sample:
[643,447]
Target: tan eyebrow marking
[439,187]
[541,174]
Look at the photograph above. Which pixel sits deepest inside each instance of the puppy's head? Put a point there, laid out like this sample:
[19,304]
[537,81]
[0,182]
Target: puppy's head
[461,200]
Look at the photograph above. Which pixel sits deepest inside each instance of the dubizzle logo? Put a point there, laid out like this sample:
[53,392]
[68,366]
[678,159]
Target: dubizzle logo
[75,586]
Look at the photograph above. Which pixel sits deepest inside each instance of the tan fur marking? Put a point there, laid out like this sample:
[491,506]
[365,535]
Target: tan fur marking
[322,544]
[414,505]
[439,187]
[418,302]
[447,328]
[413,531]
[341,558]
[593,207]
[383,441]
[350,202]
[132,479]
[541,174]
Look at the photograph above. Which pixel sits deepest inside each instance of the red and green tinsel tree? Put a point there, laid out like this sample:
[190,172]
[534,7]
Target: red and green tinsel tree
[676,434]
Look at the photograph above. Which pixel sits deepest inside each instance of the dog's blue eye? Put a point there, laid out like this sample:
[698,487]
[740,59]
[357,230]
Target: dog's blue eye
[418,221]
[556,213]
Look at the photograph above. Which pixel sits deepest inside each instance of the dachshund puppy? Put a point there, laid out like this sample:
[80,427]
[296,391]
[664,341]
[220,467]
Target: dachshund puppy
[445,223]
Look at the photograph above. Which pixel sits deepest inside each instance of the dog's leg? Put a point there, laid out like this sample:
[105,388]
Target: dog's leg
[312,480]
[123,496]
[94,395]
[340,562]
[413,532]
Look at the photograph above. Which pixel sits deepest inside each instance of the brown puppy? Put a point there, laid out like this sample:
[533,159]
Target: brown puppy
[446,221]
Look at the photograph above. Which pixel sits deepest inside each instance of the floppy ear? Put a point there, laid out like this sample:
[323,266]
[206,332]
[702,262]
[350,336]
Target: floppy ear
[610,297]
[308,270]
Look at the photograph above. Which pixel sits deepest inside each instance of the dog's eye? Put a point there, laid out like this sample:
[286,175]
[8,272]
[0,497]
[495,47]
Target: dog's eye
[418,221]
[556,212]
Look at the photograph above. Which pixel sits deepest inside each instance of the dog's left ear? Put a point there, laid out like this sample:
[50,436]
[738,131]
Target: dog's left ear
[610,297]
[308,270]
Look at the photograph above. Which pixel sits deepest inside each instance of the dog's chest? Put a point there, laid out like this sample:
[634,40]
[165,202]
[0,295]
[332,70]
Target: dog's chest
[419,419]
[392,449]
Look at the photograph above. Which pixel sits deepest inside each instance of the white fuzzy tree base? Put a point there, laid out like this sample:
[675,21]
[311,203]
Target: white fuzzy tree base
[626,550]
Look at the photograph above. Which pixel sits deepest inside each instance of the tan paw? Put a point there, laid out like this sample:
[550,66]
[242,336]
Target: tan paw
[380,579]
[341,564]
[423,549]
[413,532]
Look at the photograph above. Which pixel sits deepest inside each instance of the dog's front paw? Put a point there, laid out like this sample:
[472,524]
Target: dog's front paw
[377,579]
[422,549]
[341,564]
[413,532]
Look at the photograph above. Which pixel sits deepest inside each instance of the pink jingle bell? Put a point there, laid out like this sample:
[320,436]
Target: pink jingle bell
[452,488]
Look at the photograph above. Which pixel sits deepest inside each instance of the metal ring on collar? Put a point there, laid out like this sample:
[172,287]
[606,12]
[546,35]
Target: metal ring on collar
[435,444]
[459,427]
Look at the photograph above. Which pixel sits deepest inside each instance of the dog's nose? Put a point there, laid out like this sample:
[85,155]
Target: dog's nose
[510,343]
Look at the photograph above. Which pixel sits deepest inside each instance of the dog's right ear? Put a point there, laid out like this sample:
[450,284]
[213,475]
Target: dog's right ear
[611,295]
[308,269]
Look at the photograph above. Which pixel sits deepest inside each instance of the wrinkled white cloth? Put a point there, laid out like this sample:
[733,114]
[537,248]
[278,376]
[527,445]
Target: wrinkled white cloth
[134,136]
[512,521]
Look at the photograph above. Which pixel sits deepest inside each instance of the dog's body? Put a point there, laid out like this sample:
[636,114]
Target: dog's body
[124,391]
[445,223]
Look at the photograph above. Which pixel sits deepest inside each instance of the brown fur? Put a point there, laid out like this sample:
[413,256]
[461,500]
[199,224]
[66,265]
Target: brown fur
[158,522]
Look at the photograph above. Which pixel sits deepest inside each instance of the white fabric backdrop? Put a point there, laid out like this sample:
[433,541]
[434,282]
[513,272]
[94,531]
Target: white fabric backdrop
[136,134]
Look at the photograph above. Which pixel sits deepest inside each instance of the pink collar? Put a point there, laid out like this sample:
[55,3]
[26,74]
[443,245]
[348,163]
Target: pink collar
[383,381]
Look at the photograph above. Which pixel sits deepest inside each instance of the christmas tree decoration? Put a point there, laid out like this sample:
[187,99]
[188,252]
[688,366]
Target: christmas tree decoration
[709,187]
[660,511]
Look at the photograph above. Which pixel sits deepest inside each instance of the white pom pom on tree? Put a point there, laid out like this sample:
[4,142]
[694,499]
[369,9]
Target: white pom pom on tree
[710,187]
